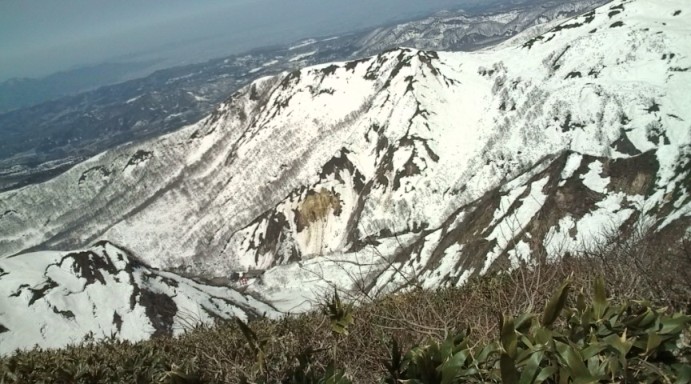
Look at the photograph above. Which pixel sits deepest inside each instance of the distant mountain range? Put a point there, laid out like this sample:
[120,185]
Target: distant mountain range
[410,167]
[25,92]
[42,141]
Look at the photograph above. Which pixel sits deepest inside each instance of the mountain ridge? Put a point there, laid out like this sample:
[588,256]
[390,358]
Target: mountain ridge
[101,292]
[45,140]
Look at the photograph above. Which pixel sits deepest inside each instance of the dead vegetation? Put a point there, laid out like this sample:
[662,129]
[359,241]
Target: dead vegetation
[359,339]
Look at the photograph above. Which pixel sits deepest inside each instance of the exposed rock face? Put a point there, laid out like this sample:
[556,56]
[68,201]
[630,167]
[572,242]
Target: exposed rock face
[409,165]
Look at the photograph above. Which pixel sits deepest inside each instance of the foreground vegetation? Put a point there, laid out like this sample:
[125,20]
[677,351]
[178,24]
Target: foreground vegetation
[552,322]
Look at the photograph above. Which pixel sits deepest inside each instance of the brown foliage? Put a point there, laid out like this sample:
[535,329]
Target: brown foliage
[642,267]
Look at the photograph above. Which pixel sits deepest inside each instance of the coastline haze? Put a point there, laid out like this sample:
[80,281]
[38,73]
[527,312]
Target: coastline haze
[40,37]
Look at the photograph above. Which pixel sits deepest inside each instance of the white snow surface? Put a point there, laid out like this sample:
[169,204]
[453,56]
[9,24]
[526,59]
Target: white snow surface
[53,299]
[301,56]
[303,44]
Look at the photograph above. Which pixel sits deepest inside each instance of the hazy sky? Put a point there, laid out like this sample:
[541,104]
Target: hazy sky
[38,37]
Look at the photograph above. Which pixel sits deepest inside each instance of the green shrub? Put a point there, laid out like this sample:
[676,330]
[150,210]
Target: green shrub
[594,342]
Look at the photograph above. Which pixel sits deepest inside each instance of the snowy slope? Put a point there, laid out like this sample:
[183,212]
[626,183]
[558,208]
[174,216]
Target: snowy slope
[58,298]
[409,166]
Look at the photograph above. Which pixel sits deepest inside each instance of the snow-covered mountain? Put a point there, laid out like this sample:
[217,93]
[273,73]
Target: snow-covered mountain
[459,30]
[44,141]
[407,166]
[58,298]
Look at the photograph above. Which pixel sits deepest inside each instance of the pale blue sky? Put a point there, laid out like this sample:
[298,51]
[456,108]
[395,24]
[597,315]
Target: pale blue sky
[38,37]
